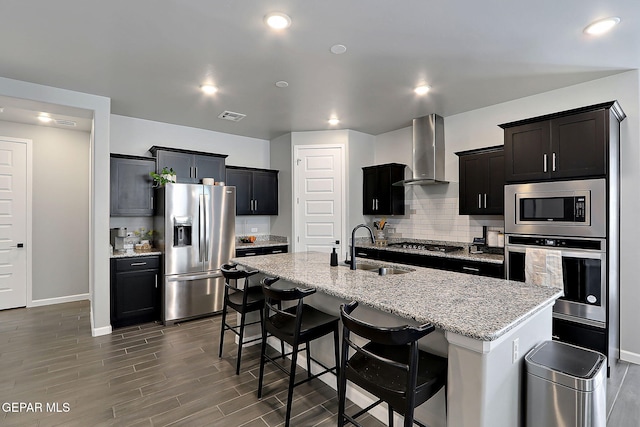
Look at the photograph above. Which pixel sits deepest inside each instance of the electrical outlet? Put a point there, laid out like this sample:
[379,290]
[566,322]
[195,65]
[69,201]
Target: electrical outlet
[254,229]
[515,347]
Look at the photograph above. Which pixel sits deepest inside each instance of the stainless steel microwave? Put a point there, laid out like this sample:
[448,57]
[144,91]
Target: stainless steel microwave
[559,208]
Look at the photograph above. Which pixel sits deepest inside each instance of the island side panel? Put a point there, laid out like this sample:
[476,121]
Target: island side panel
[485,385]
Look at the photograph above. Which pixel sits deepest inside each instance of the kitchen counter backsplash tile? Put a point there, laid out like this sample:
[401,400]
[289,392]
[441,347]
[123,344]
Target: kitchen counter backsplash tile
[365,242]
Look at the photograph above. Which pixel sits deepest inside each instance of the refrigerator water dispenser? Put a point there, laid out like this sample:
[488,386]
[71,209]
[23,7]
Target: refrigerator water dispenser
[182,231]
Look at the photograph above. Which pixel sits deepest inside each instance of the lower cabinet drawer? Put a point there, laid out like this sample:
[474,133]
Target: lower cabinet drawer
[137,263]
[265,250]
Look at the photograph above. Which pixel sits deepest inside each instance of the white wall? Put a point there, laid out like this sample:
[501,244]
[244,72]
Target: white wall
[281,153]
[479,128]
[60,211]
[135,137]
[100,107]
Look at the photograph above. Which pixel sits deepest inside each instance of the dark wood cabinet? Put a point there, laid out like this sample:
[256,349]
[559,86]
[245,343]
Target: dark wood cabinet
[131,185]
[190,166]
[481,177]
[380,197]
[265,250]
[568,145]
[478,268]
[135,290]
[256,190]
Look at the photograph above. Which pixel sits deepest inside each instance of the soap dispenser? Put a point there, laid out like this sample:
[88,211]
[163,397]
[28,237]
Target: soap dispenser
[334,258]
[334,255]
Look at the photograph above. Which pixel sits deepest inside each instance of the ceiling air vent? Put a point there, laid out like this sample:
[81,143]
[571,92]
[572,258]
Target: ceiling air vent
[230,115]
[63,122]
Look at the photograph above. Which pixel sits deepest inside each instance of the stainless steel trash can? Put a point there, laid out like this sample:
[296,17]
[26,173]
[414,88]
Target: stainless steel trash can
[565,386]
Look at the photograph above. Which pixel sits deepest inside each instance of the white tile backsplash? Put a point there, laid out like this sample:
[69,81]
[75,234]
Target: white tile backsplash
[432,214]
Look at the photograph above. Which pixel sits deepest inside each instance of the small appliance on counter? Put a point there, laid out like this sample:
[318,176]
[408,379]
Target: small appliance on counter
[120,241]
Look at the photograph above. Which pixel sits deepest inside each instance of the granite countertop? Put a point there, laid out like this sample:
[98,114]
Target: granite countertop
[482,308]
[123,254]
[461,254]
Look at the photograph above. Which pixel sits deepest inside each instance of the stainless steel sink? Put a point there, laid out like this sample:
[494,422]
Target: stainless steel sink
[382,269]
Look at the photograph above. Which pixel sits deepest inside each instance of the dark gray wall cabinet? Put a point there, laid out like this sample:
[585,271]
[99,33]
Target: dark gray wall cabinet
[567,145]
[380,197]
[256,190]
[135,290]
[131,185]
[481,177]
[190,166]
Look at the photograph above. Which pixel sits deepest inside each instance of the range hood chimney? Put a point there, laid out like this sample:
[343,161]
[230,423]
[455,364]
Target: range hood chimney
[428,151]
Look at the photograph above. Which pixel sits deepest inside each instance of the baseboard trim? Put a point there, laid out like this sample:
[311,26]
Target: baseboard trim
[59,300]
[630,357]
[106,330]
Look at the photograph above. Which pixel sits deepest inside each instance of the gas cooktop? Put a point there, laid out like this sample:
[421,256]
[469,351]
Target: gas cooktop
[426,247]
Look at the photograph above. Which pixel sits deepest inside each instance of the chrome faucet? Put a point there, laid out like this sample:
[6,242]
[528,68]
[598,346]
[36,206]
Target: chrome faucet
[353,242]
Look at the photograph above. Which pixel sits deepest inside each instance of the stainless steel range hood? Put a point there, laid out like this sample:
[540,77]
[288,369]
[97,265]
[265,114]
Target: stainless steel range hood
[428,151]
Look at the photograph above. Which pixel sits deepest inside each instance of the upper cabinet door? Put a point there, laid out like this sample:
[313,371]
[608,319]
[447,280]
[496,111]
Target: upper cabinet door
[578,145]
[256,190]
[265,193]
[209,167]
[132,186]
[527,151]
[181,163]
[379,196]
[241,179]
[481,174]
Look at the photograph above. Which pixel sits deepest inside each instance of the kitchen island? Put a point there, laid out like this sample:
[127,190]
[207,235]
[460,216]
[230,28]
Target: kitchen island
[485,326]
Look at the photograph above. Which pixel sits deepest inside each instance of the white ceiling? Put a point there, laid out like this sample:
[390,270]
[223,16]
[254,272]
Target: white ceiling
[151,56]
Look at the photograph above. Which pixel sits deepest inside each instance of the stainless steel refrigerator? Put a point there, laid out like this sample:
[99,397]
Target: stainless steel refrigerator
[195,227]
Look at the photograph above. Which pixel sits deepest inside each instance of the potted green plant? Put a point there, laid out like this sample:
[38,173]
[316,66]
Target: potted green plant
[165,176]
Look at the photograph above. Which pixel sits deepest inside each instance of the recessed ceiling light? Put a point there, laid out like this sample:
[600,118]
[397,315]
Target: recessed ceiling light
[277,20]
[209,89]
[334,121]
[338,49]
[1,109]
[601,26]
[422,90]
[45,118]
[282,83]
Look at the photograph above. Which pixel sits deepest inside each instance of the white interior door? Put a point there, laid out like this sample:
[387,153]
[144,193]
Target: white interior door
[320,210]
[13,223]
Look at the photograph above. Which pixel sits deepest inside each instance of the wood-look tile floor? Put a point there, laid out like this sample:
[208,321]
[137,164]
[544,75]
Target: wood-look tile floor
[151,375]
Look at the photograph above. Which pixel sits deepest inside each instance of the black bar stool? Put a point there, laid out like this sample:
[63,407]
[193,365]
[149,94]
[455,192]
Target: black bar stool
[390,366]
[296,325]
[244,300]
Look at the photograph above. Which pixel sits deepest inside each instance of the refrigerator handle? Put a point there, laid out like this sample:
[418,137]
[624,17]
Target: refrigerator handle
[201,230]
[207,226]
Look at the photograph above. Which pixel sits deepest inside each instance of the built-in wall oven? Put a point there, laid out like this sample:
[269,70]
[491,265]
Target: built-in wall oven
[584,274]
[570,217]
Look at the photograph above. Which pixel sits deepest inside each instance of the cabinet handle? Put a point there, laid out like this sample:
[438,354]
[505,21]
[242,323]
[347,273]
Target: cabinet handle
[477,270]
[190,172]
[479,201]
[156,281]
[249,254]
[553,162]
[138,263]
[544,162]
[373,204]
[362,254]
[277,251]
[376,204]
[195,172]
[555,337]
[256,205]
[485,200]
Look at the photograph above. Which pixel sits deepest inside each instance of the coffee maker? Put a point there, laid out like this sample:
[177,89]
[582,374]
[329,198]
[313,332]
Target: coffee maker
[118,238]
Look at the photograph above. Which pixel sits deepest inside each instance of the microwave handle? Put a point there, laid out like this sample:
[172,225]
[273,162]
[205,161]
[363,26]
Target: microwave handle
[544,162]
